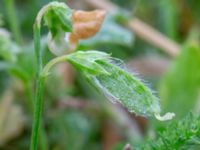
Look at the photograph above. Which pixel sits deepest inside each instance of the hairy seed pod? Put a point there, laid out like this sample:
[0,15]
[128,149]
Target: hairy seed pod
[117,84]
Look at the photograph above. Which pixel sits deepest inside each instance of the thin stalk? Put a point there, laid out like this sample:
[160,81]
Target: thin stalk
[43,143]
[38,103]
[12,18]
[37,112]
[37,45]
[51,63]
[39,99]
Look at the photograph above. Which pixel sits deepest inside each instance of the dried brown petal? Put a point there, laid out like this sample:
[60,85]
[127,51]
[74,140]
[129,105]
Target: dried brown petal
[86,24]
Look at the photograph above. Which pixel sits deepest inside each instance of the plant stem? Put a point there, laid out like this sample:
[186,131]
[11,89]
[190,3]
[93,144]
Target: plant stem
[12,18]
[37,45]
[51,63]
[39,100]
[38,103]
[37,112]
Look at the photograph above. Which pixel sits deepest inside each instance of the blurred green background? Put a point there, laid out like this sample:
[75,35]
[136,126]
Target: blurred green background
[76,117]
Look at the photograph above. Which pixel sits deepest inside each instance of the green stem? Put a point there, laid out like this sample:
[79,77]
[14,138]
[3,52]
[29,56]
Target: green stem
[43,143]
[39,100]
[51,63]
[37,112]
[38,103]
[37,45]
[12,18]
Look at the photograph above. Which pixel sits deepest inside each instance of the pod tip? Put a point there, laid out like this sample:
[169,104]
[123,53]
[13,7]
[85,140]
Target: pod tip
[167,116]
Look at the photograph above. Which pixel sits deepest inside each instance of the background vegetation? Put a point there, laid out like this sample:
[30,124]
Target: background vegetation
[75,116]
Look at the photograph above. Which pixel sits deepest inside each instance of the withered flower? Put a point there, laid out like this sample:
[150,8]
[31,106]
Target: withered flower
[85,24]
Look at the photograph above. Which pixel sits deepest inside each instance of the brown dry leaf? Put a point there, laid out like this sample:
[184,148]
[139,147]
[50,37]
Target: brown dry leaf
[86,24]
[11,118]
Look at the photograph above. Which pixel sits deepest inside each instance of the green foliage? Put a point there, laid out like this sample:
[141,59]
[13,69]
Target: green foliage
[180,86]
[181,135]
[4,80]
[66,127]
[13,20]
[194,6]
[168,17]
[1,20]
[116,82]
[75,129]
[18,61]
[8,48]
[25,67]
[58,17]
